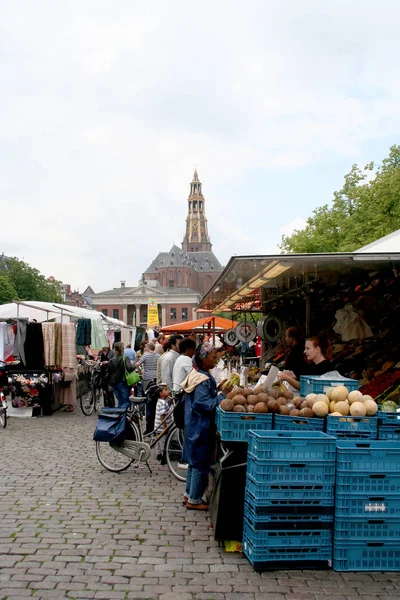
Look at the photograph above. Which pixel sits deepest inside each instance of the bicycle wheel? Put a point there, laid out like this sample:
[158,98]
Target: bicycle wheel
[97,394]
[174,452]
[87,403]
[111,459]
[3,417]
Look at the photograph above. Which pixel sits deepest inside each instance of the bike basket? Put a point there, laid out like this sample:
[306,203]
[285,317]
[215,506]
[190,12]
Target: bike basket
[111,425]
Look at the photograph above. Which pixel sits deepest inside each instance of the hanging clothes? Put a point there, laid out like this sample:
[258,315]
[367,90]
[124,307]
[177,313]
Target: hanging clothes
[4,340]
[58,357]
[34,346]
[9,348]
[49,340]
[68,346]
[99,339]
[20,337]
[68,394]
[111,337]
[84,332]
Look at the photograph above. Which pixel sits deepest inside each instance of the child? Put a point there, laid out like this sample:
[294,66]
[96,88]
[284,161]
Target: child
[164,417]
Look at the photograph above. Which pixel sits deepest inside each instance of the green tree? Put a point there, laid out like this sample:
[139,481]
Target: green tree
[27,283]
[360,213]
[7,292]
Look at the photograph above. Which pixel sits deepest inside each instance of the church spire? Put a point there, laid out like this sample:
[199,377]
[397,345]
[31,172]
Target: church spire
[196,236]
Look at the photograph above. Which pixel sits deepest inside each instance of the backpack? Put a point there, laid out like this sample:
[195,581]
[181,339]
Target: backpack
[179,409]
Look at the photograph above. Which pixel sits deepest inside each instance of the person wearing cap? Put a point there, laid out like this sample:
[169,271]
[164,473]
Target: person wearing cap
[201,400]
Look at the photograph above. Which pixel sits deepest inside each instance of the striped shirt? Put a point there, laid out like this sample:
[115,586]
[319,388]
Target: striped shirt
[149,363]
[163,409]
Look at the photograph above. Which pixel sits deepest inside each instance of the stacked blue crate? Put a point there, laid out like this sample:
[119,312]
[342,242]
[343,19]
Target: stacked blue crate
[289,499]
[367,506]
[388,426]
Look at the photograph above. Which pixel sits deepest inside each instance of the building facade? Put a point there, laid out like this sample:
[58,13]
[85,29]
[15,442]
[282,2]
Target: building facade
[177,279]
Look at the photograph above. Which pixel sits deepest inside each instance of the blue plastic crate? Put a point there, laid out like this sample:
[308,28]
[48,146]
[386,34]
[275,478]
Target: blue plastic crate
[384,484]
[285,519]
[235,426]
[361,555]
[368,456]
[295,491]
[306,556]
[285,422]
[266,505]
[389,432]
[287,538]
[267,471]
[292,445]
[367,506]
[367,528]
[352,427]
[314,384]
[389,418]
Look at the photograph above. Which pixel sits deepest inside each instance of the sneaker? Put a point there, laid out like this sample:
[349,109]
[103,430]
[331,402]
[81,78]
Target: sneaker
[182,466]
[196,506]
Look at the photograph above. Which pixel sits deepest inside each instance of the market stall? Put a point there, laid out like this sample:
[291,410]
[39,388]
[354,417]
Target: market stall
[47,349]
[293,515]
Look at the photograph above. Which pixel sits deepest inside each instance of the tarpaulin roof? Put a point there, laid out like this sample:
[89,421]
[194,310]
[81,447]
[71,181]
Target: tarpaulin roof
[200,324]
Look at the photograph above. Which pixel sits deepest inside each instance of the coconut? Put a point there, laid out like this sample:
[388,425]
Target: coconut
[283,410]
[320,409]
[261,407]
[371,407]
[306,412]
[339,393]
[297,401]
[239,399]
[231,395]
[273,406]
[290,405]
[294,412]
[239,408]
[274,392]
[288,394]
[343,408]
[281,401]
[263,397]
[252,399]
[227,405]
[250,408]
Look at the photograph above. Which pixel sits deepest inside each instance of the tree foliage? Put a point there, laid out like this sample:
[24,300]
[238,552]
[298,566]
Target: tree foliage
[361,212]
[20,281]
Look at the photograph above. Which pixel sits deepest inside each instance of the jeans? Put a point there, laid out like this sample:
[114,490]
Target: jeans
[122,393]
[196,484]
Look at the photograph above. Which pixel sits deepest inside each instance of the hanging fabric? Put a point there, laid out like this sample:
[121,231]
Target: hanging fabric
[68,346]
[83,332]
[99,339]
[58,349]
[49,340]
[34,347]
[20,337]
[4,340]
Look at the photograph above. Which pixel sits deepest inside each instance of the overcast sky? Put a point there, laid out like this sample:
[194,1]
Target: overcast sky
[106,108]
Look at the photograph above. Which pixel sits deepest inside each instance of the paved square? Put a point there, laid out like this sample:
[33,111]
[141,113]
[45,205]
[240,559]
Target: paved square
[70,529]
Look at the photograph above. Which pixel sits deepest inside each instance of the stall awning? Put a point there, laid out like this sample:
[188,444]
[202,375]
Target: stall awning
[200,325]
[247,281]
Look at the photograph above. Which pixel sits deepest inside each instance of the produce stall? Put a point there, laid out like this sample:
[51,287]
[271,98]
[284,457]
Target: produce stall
[292,512]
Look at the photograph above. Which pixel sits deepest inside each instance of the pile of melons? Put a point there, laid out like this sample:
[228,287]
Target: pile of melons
[339,402]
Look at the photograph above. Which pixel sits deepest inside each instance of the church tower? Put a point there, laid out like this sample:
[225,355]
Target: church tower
[196,237]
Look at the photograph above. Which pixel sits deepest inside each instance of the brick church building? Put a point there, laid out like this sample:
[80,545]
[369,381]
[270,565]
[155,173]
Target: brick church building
[177,278]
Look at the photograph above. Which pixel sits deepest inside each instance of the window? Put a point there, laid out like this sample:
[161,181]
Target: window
[171,279]
[184,314]
[115,313]
[105,312]
[179,279]
[172,314]
[165,280]
[200,204]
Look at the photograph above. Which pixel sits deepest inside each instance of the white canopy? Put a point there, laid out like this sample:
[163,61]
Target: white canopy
[44,311]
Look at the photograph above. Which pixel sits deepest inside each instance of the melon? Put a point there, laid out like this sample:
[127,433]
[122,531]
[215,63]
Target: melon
[311,397]
[343,408]
[336,414]
[366,397]
[339,393]
[332,406]
[328,392]
[357,409]
[320,409]
[322,398]
[371,407]
[355,396]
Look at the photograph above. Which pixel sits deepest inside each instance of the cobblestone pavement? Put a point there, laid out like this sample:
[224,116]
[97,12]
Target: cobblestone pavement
[72,530]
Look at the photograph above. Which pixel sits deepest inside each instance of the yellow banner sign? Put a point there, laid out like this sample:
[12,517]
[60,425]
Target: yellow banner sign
[152,313]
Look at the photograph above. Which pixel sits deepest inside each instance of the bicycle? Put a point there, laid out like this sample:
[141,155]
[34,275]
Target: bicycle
[90,395]
[3,401]
[136,447]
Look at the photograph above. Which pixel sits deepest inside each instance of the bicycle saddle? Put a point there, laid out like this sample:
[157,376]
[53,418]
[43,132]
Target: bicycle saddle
[137,399]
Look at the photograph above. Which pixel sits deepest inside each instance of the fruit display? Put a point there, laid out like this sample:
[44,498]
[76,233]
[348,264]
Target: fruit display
[381,383]
[339,402]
